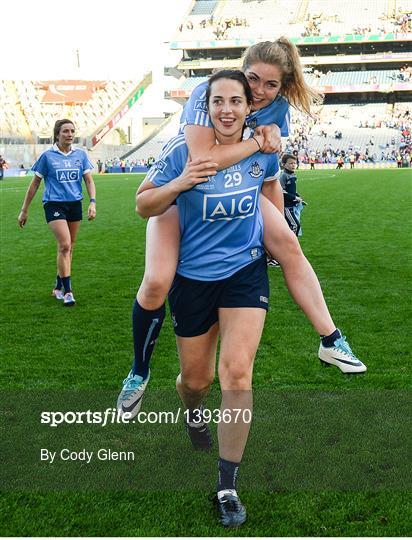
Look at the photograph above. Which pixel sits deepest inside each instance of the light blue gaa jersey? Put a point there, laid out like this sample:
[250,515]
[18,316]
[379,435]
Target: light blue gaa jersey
[195,112]
[62,173]
[220,220]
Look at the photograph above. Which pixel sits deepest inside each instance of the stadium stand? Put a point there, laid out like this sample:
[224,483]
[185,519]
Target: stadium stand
[337,78]
[31,107]
[153,147]
[263,19]
[204,7]
[13,122]
[364,71]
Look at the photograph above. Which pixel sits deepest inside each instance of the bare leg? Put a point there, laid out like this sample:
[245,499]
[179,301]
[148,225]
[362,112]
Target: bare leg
[197,367]
[61,231]
[299,275]
[162,250]
[74,227]
[241,330]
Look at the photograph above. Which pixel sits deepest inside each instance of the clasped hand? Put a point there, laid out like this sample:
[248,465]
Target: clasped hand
[196,172]
[269,138]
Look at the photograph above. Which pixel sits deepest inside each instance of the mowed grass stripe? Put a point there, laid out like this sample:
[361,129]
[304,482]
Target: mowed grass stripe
[357,236]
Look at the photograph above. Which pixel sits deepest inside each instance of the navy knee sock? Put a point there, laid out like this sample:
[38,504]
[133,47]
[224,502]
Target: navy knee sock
[146,328]
[59,282]
[328,341]
[67,284]
[228,471]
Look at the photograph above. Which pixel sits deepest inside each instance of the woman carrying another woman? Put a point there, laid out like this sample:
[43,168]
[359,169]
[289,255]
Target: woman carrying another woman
[275,76]
[221,285]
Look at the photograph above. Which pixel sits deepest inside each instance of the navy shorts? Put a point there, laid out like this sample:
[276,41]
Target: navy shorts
[194,304]
[69,211]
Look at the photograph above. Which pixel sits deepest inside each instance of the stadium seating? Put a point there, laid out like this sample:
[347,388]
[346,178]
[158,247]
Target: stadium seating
[12,120]
[266,19]
[263,20]
[346,118]
[191,83]
[372,128]
[204,7]
[155,145]
[353,136]
[26,115]
[335,78]
[216,30]
[338,18]
[260,20]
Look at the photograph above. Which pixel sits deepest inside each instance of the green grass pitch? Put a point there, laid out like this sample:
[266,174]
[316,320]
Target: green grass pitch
[357,235]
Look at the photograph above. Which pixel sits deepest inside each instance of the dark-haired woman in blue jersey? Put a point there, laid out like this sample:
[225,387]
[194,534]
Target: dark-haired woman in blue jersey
[62,168]
[221,286]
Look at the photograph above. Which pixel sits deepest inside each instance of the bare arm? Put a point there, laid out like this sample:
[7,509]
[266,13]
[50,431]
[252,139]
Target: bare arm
[153,201]
[202,140]
[30,193]
[91,190]
[272,190]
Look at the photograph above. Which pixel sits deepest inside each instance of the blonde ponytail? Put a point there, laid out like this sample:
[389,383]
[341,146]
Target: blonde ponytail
[284,54]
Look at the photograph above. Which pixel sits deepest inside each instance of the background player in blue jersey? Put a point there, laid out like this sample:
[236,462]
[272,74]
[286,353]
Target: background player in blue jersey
[221,285]
[274,72]
[62,168]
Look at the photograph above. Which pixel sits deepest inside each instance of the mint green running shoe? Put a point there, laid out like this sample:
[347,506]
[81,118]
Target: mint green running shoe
[130,398]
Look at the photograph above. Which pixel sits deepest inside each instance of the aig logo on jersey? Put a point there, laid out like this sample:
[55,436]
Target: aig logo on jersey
[236,205]
[68,175]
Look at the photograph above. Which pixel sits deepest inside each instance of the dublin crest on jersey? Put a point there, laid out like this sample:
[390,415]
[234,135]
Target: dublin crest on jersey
[256,170]
[160,165]
[252,123]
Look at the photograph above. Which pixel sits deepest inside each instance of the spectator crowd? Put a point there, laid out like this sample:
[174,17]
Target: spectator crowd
[304,128]
[218,27]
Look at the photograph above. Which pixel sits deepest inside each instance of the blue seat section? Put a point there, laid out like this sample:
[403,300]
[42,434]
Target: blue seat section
[204,7]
